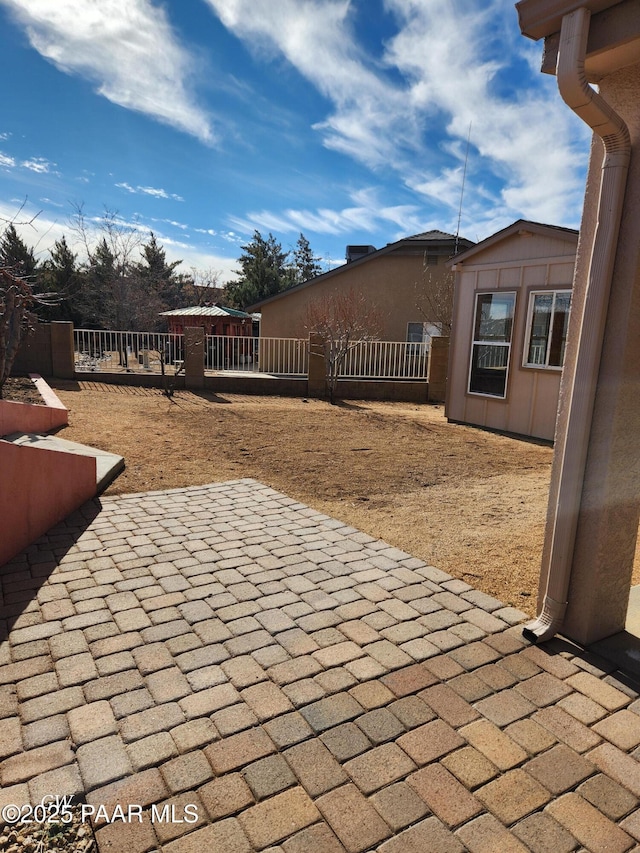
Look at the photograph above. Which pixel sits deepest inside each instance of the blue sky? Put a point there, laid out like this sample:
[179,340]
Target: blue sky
[344,119]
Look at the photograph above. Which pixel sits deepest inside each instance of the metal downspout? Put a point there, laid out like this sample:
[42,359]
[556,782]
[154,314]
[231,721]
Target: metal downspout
[593,109]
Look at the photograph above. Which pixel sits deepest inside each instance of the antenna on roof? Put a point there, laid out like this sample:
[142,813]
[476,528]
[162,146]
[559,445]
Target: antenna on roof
[464,175]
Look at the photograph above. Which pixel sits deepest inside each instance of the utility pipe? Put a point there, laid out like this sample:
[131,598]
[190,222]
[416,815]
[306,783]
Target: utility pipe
[593,109]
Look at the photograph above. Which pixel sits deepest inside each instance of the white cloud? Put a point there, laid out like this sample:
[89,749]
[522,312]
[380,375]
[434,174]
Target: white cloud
[7,161]
[40,165]
[368,122]
[407,110]
[156,192]
[173,222]
[458,76]
[125,47]
[228,236]
[367,214]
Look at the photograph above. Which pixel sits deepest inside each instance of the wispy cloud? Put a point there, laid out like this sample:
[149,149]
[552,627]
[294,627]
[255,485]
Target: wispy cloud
[180,225]
[227,236]
[368,121]
[40,165]
[462,77]
[367,214]
[126,48]
[7,161]
[408,108]
[156,192]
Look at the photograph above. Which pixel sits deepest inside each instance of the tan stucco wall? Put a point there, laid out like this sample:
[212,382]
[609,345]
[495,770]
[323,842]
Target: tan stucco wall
[391,283]
[518,264]
[602,561]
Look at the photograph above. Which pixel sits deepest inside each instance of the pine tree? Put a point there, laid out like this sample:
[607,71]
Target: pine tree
[263,272]
[15,255]
[60,276]
[305,264]
[158,278]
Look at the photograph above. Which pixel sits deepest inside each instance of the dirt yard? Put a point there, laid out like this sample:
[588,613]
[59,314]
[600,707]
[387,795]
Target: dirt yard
[467,501]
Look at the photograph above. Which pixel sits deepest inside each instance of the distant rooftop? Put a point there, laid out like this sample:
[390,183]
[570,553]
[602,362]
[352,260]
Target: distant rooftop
[205,311]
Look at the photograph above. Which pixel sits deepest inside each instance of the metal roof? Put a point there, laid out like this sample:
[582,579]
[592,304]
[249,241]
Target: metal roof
[206,311]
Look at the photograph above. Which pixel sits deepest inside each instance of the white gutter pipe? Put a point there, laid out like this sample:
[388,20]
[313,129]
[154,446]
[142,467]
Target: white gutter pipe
[593,109]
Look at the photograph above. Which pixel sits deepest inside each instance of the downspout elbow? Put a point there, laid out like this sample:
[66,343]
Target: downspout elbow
[576,92]
[591,107]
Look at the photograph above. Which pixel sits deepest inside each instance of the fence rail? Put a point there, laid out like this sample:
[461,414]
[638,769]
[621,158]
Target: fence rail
[281,356]
[386,360]
[127,352]
[148,352]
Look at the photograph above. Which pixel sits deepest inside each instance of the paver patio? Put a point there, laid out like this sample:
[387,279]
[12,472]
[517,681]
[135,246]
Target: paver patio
[283,682]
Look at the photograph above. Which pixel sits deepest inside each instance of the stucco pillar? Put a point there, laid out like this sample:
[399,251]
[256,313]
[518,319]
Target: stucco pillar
[602,560]
[317,377]
[194,357]
[62,361]
[438,368]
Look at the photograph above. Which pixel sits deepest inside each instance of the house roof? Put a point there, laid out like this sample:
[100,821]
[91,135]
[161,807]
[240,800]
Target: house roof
[427,240]
[205,311]
[520,226]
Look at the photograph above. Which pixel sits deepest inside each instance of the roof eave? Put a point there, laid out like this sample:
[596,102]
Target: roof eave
[541,18]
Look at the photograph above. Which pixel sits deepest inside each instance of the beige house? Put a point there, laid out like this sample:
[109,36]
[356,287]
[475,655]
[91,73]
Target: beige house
[511,309]
[392,279]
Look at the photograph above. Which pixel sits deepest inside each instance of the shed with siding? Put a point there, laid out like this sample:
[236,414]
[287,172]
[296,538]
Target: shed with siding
[511,303]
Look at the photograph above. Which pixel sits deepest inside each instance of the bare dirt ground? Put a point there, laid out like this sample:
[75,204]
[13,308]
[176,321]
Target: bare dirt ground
[470,502]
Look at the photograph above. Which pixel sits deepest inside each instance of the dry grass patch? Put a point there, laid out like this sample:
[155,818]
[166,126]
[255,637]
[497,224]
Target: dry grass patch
[470,502]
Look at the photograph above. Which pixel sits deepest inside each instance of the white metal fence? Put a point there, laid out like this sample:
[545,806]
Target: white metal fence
[147,352]
[128,352]
[386,360]
[282,356]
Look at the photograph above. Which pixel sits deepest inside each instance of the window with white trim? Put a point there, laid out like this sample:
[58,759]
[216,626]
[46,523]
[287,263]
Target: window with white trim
[421,333]
[547,324]
[491,347]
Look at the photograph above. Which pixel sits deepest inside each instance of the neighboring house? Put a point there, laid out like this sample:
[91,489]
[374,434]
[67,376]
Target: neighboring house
[214,319]
[392,279]
[512,296]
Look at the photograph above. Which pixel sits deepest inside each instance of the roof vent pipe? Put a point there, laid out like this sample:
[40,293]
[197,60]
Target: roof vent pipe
[572,450]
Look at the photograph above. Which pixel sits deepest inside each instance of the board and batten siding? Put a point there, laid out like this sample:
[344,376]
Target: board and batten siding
[519,264]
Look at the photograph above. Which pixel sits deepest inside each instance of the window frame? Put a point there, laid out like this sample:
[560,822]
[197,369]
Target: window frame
[529,365]
[429,331]
[480,342]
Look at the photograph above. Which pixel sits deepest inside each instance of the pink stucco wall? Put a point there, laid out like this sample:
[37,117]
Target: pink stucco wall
[38,489]
[24,417]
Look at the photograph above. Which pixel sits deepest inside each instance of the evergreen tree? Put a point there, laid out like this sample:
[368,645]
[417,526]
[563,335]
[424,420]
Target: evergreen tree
[158,279]
[60,276]
[305,264]
[263,272]
[98,300]
[16,256]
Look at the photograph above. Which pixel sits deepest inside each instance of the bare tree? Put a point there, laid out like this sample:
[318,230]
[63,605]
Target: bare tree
[112,295]
[204,287]
[434,298]
[16,317]
[343,319]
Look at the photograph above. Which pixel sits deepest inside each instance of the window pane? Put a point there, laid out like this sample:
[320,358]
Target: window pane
[415,332]
[540,324]
[489,369]
[494,317]
[559,331]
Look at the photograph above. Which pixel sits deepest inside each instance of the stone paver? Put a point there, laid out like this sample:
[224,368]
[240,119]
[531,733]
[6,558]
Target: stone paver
[304,687]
